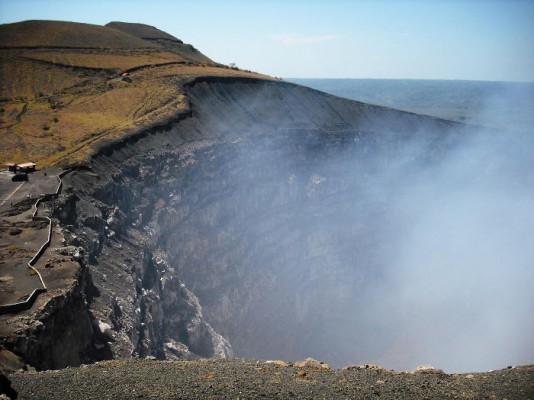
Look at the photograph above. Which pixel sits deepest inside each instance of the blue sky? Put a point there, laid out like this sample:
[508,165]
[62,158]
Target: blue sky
[448,39]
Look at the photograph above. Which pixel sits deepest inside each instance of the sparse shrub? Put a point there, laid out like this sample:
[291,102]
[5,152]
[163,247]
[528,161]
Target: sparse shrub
[45,126]
[54,104]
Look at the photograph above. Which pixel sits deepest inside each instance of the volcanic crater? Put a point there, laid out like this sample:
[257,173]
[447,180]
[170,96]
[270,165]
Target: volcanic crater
[240,215]
[258,208]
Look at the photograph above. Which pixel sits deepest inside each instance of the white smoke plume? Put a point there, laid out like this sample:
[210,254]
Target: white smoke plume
[371,247]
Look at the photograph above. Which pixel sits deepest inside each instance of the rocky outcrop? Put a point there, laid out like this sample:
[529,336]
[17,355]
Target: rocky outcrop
[140,305]
[59,333]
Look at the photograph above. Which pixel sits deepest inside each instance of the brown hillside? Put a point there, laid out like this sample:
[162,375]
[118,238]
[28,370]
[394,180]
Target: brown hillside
[104,60]
[67,34]
[61,91]
[142,31]
[168,42]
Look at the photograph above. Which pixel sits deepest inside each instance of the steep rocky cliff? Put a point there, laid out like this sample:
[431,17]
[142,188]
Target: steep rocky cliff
[58,331]
[245,227]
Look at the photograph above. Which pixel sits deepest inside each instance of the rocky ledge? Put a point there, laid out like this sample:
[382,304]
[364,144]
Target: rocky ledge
[250,379]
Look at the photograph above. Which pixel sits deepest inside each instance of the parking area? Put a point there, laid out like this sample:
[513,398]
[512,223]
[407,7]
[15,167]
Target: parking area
[39,182]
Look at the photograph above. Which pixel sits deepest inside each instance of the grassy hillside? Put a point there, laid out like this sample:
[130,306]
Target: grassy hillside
[61,89]
[104,61]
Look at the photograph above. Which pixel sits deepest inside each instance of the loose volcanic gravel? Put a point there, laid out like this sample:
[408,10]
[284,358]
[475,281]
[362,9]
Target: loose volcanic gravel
[250,379]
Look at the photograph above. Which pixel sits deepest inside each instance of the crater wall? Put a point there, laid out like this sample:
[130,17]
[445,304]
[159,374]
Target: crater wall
[262,225]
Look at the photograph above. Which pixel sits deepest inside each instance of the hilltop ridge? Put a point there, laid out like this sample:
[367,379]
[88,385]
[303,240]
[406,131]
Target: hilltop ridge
[63,34]
[159,38]
[142,31]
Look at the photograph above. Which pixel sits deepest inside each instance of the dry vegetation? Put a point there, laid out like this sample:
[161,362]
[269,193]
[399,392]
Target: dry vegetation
[25,79]
[56,103]
[101,60]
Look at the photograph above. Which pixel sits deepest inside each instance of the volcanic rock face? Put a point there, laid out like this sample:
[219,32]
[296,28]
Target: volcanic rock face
[249,223]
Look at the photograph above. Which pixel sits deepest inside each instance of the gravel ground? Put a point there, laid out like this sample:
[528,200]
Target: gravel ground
[250,379]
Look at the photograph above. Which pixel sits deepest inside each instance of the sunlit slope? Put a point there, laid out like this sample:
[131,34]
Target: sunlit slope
[156,36]
[67,34]
[142,31]
[61,89]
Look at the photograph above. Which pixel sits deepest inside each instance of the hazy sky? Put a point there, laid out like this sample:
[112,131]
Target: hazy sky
[475,40]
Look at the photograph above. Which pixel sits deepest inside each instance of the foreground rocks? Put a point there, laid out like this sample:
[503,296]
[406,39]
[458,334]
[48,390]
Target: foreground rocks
[250,379]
